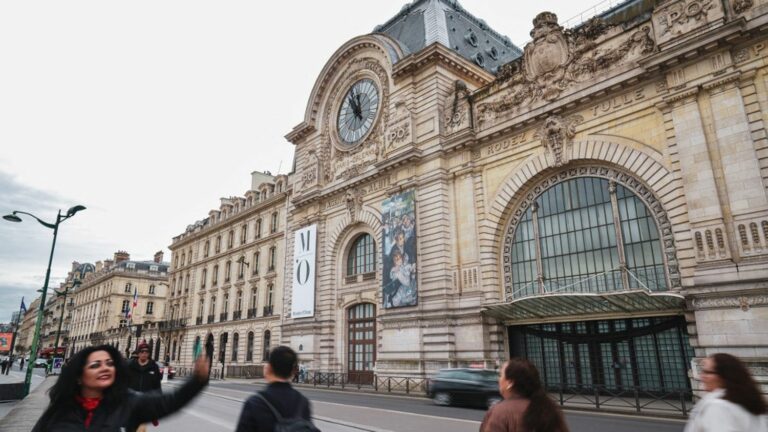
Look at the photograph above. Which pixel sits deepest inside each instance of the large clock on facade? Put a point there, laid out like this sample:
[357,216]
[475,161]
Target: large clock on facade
[358,111]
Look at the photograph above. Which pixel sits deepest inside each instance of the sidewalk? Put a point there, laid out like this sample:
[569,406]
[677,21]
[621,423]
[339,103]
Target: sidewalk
[16,376]
[24,415]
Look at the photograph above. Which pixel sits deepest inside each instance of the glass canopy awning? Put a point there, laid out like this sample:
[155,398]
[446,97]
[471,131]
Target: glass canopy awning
[551,306]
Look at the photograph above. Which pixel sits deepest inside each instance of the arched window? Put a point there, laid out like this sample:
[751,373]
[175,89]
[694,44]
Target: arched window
[241,267]
[273,224]
[196,344]
[362,256]
[249,348]
[206,248]
[203,278]
[586,234]
[257,229]
[215,276]
[267,341]
[217,249]
[231,239]
[235,343]
[243,233]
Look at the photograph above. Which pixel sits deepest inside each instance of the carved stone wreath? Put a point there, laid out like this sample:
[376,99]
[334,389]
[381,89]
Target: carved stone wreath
[630,182]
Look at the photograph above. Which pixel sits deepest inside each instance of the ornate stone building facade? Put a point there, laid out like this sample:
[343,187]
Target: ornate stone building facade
[103,304]
[595,202]
[226,279]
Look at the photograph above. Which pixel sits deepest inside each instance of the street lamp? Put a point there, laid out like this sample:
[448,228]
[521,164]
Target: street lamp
[13,217]
[75,283]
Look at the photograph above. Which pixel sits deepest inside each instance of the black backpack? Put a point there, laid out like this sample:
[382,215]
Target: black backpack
[292,424]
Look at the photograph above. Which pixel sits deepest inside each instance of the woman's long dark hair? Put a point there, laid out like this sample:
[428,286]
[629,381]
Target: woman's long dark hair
[740,387]
[67,386]
[542,415]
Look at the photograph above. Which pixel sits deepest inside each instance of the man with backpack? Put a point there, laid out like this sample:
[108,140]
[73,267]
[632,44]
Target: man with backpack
[279,407]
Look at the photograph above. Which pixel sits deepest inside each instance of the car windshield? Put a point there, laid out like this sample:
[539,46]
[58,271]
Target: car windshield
[488,375]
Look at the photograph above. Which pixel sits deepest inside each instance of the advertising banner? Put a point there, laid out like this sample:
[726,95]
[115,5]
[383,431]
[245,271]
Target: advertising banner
[304,269]
[5,341]
[398,215]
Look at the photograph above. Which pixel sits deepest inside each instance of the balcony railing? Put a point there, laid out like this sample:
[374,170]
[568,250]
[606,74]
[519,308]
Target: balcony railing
[268,310]
[237,314]
[223,316]
[172,324]
[199,320]
[210,319]
[252,312]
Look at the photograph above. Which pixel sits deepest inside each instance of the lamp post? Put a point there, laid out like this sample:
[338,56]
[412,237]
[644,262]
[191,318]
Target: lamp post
[61,316]
[55,227]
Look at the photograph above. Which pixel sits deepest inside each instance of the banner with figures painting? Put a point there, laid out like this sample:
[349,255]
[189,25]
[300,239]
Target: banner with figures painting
[398,215]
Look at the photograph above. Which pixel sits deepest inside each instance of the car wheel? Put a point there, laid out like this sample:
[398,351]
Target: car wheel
[491,401]
[442,399]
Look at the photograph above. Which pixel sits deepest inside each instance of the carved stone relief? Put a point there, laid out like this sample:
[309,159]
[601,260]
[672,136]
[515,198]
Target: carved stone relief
[676,18]
[345,162]
[556,133]
[621,177]
[400,131]
[456,109]
[557,59]
[354,200]
[740,6]
[743,302]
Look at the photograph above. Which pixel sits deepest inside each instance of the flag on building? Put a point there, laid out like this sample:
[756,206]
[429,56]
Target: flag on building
[135,301]
[23,308]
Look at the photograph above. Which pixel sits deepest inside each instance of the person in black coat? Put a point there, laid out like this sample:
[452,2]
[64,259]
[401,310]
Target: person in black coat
[256,416]
[144,372]
[92,394]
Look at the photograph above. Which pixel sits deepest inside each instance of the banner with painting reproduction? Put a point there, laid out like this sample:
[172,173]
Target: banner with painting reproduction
[399,287]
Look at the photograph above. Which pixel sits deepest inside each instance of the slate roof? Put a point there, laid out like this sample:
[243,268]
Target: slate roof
[424,22]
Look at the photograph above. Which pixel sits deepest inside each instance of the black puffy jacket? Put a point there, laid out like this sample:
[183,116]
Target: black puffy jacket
[144,378]
[138,408]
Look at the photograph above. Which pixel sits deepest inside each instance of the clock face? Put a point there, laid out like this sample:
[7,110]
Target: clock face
[358,111]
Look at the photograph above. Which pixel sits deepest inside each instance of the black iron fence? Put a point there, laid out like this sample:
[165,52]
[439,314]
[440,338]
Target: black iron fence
[249,371]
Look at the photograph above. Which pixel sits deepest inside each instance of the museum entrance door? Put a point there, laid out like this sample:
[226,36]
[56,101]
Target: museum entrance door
[651,354]
[361,343]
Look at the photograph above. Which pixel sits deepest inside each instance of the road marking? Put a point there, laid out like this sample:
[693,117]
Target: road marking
[627,416]
[400,412]
[225,424]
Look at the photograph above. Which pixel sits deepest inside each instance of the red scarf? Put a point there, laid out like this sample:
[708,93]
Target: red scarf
[89,405]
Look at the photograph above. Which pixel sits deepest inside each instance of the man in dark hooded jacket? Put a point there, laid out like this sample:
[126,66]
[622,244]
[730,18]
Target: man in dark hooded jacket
[144,372]
[144,375]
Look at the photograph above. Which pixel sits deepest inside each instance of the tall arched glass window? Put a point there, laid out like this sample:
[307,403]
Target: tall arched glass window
[266,345]
[249,348]
[586,234]
[235,346]
[362,256]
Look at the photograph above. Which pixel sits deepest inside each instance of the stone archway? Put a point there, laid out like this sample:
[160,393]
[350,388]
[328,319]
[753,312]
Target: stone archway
[627,160]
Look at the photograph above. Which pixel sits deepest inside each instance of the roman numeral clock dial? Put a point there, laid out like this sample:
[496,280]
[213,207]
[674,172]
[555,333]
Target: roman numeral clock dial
[358,111]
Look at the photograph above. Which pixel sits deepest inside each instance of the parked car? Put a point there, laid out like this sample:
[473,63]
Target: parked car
[171,371]
[477,387]
[41,362]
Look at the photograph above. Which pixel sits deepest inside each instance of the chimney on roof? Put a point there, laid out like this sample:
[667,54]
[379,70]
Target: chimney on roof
[108,263]
[159,257]
[121,256]
[99,266]
[75,265]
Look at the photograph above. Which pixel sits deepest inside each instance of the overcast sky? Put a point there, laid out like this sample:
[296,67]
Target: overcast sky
[147,112]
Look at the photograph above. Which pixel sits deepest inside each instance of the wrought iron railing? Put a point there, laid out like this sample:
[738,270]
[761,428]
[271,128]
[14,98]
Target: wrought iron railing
[210,319]
[237,314]
[268,310]
[252,312]
[223,316]
[247,371]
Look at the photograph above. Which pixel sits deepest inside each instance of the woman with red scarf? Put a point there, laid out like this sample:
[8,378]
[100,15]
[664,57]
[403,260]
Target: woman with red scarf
[92,394]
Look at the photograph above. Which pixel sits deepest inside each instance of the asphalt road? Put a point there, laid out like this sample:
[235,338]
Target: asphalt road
[219,407]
